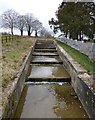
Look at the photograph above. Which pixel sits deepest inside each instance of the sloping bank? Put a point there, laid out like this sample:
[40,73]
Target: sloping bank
[81,81]
[16,89]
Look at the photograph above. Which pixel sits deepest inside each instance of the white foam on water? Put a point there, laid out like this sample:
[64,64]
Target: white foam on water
[44,82]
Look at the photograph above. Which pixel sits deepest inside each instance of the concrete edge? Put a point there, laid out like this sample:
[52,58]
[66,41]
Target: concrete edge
[8,103]
[81,72]
[81,81]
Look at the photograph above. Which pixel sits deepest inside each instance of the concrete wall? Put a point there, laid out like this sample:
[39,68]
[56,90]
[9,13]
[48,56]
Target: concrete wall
[16,88]
[86,48]
[81,82]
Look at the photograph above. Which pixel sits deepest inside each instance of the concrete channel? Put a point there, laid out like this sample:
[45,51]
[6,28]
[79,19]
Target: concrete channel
[47,68]
[50,86]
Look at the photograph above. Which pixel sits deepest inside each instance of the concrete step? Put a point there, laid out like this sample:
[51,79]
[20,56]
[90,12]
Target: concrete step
[45,54]
[44,42]
[48,71]
[45,50]
[48,79]
[45,47]
[46,59]
[47,62]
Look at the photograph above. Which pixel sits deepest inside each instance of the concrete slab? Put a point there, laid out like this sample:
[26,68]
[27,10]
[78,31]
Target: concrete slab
[46,59]
[48,79]
[45,54]
[45,50]
[48,71]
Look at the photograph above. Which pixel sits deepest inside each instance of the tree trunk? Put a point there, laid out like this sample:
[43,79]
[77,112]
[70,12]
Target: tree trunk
[70,36]
[29,32]
[66,35]
[76,36]
[21,32]
[12,31]
[36,33]
[80,36]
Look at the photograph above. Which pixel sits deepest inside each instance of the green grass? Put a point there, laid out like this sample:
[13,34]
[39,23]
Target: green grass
[13,54]
[82,59]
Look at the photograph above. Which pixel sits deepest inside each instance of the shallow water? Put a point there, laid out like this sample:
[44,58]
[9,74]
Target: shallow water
[46,71]
[49,101]
[46,59]
[44,53]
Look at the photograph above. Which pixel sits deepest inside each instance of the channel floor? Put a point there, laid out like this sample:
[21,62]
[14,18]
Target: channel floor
[48,92]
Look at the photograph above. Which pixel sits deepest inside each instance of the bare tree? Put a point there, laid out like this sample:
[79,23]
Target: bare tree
[20,23]
[37,26]
[9,19]
[28,23]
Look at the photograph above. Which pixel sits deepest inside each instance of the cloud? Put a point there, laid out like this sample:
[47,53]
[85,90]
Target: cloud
[44,10]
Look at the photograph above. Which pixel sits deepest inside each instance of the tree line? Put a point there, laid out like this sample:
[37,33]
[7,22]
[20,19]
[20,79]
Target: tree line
[12,19]
[75,20]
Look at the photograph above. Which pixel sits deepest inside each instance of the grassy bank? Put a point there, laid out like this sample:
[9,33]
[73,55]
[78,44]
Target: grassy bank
[79,57]
[13,54]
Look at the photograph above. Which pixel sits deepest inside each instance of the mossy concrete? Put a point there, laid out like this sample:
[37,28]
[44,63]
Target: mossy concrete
[81,81]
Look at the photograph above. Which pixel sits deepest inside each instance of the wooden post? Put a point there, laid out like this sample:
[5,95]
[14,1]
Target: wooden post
[2,39]
[6,38]
[9,38]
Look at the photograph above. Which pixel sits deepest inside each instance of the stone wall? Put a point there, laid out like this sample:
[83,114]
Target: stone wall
[16,88]
[86,48]
[81,82]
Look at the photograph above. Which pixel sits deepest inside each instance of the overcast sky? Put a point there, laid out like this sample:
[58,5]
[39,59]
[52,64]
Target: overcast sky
[44,10]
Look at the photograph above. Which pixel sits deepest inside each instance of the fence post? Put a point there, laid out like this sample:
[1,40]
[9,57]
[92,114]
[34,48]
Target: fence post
[2,39]
[9,38]
[6,39]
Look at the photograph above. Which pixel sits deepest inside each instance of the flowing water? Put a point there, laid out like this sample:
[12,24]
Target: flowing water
[46,71]
[49,101]
[46,58]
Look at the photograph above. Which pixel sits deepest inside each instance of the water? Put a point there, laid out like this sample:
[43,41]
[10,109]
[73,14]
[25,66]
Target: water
[49,101]
[44,53]
[48,71]
[46,59]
